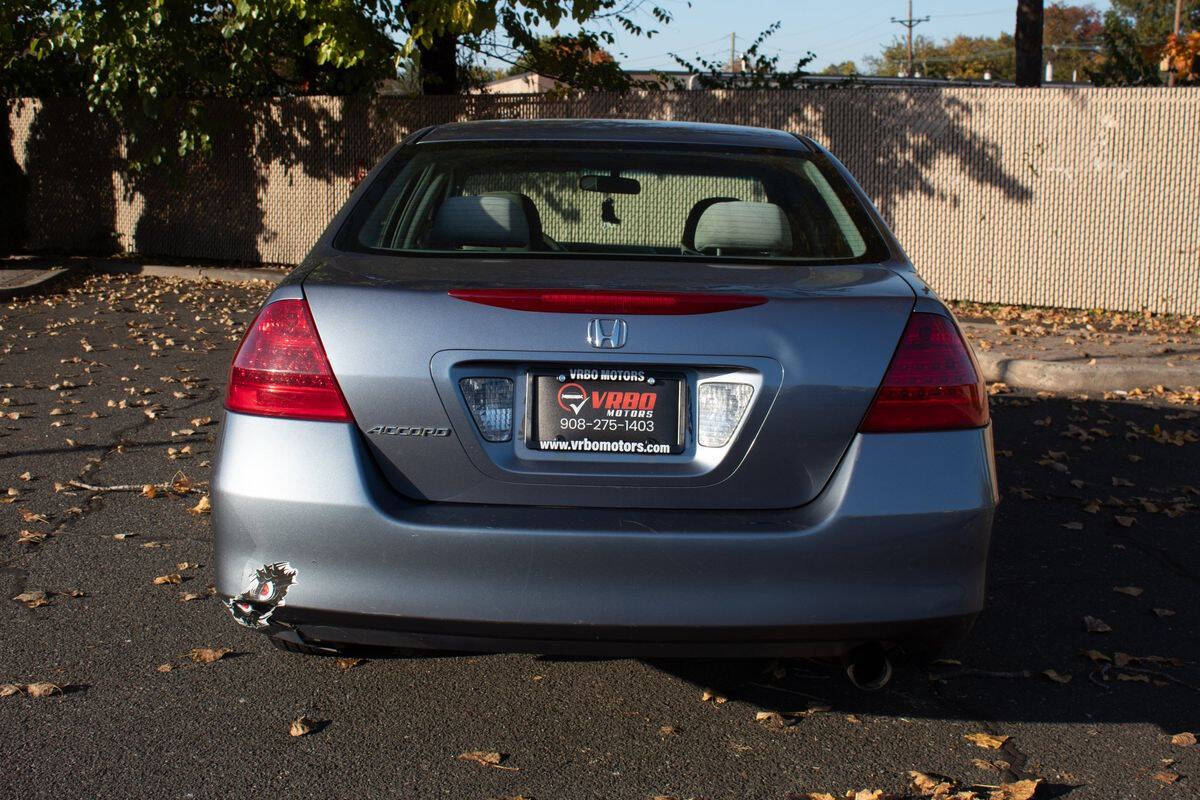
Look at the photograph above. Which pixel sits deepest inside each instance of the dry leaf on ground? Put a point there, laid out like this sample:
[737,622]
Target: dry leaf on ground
[33,598]
[42,689]
[301,726]
[1096,625]
[347,663]
[167,580]
[202,507]
[987,741]
[9,689]
[1132,591]
[930,786]
[1166,776]
[709,696]
[1021,790]
[1056,676]
[485,758]
[207,655]
[1185,739]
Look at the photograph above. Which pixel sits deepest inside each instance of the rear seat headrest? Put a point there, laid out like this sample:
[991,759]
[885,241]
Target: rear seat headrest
[480,221]
[744,226]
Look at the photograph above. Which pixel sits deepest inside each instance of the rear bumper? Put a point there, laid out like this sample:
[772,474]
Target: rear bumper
[894,549]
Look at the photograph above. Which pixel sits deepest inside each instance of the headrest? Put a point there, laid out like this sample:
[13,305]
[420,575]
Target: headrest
[744,226]
[480,221]
[693,217]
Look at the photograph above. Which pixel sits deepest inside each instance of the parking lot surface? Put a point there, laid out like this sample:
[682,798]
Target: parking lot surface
[1084,669]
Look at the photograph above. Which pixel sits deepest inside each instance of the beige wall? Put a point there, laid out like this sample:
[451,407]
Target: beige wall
[1054,196]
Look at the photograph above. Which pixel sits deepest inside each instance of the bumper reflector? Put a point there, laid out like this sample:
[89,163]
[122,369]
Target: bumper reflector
[721,406]
[491,404]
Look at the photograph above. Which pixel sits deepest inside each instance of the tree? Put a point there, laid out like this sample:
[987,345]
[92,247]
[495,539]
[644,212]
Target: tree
[578,60]
[1071,37]
[1124,61]
[1152,20]
[841,68]
[960,58]
[1183,53]
[155,65]
[754,70]
[1028,39]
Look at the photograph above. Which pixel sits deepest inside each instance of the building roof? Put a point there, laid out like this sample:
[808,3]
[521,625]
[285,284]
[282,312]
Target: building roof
[612,130]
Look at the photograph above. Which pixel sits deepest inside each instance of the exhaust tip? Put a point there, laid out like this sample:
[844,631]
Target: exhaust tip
[868,667]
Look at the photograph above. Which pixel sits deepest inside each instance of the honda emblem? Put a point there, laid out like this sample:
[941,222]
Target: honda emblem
[607,334]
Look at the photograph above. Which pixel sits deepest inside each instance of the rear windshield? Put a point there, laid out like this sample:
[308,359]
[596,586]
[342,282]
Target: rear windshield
[605,200]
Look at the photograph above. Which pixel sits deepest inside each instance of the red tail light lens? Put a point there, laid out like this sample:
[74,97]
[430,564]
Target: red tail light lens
[931,384]
[570,301]
[281,369]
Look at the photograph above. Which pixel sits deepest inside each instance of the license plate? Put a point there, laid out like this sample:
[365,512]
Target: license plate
[592,410]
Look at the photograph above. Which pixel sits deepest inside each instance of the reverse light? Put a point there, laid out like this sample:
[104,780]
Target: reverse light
[931,384]
[491,404]
[588,301]
[281,369]
[720,408]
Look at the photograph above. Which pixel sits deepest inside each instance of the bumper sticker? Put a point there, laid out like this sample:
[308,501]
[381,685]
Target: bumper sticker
[268,587]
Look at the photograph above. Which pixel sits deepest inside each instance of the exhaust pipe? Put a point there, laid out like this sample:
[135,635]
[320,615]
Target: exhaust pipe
[868,667]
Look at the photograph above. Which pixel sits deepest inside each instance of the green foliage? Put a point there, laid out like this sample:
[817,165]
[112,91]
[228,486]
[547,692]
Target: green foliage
[156,66]
[844,68]
[1151,20]
[960,58]
[754,70]
[1125,61]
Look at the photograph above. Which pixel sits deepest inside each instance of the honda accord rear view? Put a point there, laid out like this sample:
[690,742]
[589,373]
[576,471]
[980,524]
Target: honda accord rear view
[605,387]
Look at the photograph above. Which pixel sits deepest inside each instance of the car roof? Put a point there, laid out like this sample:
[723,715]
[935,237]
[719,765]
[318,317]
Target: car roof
[612,130]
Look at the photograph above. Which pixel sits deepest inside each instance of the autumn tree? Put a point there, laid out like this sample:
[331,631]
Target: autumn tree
[1071,39]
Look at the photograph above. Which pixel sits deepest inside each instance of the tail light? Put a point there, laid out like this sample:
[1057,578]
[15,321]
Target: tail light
[931,384]
[281,369]
[588,301]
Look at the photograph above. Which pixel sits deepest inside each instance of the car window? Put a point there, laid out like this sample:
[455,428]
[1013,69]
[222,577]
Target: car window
[608,201]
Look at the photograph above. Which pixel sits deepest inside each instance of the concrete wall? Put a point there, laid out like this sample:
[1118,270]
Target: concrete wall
[1055,196]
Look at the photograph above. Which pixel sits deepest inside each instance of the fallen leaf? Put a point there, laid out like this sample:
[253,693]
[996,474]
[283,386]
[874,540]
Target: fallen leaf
[773,719]
[1163,612]
[200,422]
[1096,625]
[1132,591]
[9,689]
[26,475]
[188,597]
[207,655]
[120,537]
[164,668]
[485,758]
[668,730]
[1056,676]
[33,598]
[1128,678]
[149,490]
[1185,739]
[202,507]
[30,537]
[301,726]
[987,741]
[1125,522]
[1165,776]
[1096,655]
[1073,526]
[709,696]
[43,689]
[930,786]
[164,580]
[1021,790]
[347,663]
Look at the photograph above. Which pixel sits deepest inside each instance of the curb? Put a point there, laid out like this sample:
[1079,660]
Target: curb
[1059,376]
[230,274]
[44,278]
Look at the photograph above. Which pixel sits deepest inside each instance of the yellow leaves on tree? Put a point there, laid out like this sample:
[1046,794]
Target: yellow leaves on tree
[1183,56]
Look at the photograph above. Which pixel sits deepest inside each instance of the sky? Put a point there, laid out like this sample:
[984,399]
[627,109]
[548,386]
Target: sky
[835,31]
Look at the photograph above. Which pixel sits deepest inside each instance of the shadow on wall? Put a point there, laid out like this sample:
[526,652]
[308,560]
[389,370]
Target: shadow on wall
[283,156]
[14,187]
[891,139]
[70,157]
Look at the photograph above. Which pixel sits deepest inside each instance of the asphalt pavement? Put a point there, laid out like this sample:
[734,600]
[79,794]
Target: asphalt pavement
[116,382]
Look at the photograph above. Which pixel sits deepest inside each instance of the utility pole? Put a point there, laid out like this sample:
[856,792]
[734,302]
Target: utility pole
[910,23]
[732,52]
[1028,42]
[1175,30]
